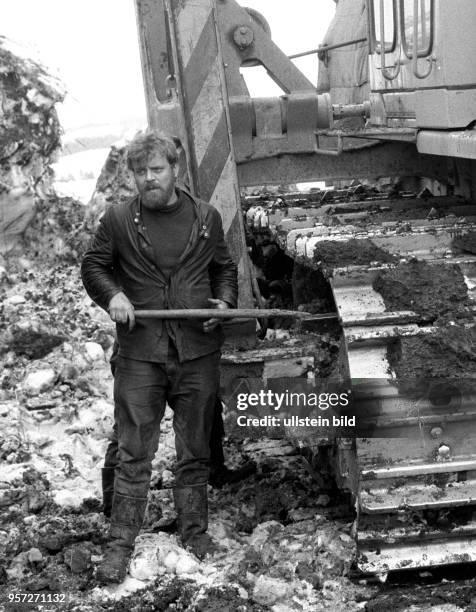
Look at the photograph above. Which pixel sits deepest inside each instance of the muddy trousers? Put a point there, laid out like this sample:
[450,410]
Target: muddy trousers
[217,457]
[141,390]
[111,459]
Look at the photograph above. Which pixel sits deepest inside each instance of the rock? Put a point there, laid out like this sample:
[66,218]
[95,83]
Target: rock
[79,361]
[243,593]
[94,351]
[167,478]
[117,591]
[53,542]
[67,348]
[282,334]
[77,558]
[39,381]
[104,339]
[170,561]
[330,588]
[18,567]
[68,499]
[38,583]
[208,570]
[15,300]
[84,387]
[344,537]
[102,422]
[9,358]
[186,565]
[68,372]
[35,500]
[285,608]
[34,555]
[222,530]
[263,531]
[268,591]
[25,263]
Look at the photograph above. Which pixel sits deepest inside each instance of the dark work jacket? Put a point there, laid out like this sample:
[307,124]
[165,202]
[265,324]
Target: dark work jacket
[121,258]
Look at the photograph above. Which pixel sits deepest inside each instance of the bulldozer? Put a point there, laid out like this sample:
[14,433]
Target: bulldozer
[395,104]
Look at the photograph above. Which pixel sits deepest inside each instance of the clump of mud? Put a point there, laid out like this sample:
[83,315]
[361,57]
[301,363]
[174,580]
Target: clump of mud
[275,495]
[332,254]
[437,293]
[448,354]
[220,599]
[175,594]
[31,343]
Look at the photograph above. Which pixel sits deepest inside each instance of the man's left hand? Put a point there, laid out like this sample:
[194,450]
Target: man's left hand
[210,325]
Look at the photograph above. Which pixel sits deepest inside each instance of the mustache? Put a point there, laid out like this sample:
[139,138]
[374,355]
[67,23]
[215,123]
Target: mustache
[152,186]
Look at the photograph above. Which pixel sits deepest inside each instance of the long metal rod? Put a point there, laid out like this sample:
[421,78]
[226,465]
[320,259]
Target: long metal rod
[327,48]
[238,313]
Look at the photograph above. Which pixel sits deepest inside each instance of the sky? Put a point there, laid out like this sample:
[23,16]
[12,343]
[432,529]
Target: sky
[92,46]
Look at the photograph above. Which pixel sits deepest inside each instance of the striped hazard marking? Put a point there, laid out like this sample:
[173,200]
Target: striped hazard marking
[203,93]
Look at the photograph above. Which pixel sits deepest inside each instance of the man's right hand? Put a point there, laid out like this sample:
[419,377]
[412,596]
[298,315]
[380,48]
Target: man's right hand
[121,310]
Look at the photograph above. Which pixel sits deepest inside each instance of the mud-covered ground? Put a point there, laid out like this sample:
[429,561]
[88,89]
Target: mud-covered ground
[285,544]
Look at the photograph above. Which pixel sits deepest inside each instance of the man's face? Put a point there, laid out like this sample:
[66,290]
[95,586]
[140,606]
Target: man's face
[155,180]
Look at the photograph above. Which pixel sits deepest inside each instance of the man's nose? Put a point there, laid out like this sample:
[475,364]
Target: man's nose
[149,176]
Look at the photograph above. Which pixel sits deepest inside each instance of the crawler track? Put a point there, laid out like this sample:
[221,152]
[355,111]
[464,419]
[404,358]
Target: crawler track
[411,355]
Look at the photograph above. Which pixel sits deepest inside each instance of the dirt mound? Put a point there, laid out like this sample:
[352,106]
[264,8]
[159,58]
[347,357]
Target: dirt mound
[30,136]
[61,231]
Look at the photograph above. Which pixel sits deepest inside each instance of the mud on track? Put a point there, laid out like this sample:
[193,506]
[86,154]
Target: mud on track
[437,292]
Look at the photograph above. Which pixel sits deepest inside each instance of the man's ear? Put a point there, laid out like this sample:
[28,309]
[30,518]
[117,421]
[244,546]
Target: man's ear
[175,170]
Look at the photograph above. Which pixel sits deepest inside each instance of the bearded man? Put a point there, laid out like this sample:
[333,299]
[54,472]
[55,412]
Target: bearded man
[164,249]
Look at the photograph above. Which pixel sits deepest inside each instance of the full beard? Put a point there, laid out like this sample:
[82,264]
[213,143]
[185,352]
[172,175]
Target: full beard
[157,198]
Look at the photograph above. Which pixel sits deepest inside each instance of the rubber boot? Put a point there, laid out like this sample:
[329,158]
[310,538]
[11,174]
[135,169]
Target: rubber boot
[191,504]
[126,520]
[107,475]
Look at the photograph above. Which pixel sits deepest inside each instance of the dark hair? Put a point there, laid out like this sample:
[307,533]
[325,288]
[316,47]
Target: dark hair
[148,142]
